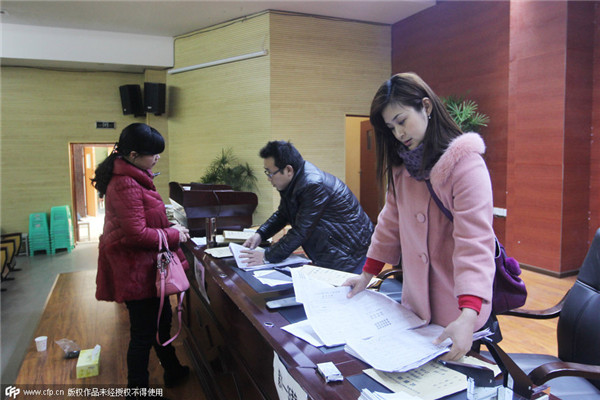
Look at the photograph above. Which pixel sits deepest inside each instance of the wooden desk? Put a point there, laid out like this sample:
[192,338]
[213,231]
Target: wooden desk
[233,337]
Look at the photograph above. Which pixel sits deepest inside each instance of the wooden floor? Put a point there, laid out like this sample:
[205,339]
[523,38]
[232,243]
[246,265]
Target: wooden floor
[529,335]
[73,312]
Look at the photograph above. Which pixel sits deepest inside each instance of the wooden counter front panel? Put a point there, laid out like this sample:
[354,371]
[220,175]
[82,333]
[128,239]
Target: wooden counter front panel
[243,341]
[216,338]
[252,335]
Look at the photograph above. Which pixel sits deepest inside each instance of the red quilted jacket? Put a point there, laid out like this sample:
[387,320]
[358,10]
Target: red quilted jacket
[129,243]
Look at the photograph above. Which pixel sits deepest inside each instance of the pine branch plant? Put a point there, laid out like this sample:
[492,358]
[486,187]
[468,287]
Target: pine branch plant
[226,170]
[465,114]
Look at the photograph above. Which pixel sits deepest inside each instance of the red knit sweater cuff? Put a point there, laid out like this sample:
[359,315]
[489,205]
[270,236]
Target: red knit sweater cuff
[469,301]
[373,266]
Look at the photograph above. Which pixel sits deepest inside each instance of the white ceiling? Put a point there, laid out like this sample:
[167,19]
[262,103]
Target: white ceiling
[176,17]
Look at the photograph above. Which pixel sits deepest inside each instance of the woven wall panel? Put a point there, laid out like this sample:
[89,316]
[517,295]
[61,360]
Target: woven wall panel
[42,112]
[315,73]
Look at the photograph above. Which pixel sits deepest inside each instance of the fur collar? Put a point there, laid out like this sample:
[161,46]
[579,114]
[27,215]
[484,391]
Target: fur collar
[459,147]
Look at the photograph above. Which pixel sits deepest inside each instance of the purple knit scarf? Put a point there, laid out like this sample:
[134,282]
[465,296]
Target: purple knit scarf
[412,161]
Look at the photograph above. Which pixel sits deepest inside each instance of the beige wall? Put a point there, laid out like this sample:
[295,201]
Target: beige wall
[317,71]
[43,111]
[321,71]
[221,106]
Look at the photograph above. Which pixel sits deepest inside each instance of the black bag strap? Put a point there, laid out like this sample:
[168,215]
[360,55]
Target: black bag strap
[437,200]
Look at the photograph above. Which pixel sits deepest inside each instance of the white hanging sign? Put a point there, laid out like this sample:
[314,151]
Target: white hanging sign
[287,387]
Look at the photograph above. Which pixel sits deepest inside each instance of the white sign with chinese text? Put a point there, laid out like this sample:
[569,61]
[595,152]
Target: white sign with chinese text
[287,387]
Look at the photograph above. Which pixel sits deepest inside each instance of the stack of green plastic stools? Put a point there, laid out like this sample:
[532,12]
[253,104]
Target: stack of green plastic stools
[61,229]
[39,237]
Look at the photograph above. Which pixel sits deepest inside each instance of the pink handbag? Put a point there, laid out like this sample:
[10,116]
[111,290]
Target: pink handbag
[170,279]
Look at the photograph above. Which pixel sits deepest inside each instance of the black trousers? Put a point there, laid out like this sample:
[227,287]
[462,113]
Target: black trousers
[142,318]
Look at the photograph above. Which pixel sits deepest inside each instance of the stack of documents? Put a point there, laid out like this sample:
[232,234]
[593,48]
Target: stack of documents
[374,328]
[430,381]
[272,277]
[237,236]
[366,394]
[201,240]
[236,249]
[219,252]
[331,276]
[393,351]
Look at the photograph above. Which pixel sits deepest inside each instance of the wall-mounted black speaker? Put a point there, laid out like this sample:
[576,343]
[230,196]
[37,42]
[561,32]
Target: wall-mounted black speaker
[154,97]
[131,100]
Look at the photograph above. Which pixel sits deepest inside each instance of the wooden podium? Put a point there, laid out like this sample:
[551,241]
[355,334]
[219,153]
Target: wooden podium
[198,205]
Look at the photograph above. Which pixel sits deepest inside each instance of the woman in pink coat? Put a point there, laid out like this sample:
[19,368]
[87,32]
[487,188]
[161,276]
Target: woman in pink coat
[448,268]
[129,246]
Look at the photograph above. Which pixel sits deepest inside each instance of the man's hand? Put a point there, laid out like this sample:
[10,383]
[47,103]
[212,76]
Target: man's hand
[252,257]
[358,283]
[253,242]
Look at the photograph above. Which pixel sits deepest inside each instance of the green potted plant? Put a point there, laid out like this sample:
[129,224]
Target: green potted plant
[225,169]
[464,113]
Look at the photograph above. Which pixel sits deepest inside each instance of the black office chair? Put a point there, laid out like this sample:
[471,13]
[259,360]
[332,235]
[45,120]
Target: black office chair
[4,262]
[8,247]
[575,373]
[16,240]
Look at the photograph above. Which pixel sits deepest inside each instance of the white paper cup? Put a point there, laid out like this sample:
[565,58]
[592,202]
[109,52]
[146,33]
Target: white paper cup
[41,342]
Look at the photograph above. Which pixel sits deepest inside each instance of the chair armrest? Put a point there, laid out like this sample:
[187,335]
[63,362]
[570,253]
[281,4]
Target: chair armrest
[383,276]
[548,313]
[389,272]
[551,370]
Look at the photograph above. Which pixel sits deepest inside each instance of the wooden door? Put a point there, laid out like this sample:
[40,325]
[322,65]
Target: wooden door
[83,194]
[78,176]
[370,197]
[91,196]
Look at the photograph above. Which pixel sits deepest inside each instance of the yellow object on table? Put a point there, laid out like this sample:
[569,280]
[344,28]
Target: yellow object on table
[88,363]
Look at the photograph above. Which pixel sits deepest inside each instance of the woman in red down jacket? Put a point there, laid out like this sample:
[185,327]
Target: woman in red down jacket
[129,246]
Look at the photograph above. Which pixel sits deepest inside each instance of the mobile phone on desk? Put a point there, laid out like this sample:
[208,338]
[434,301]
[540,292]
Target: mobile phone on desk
[282,303]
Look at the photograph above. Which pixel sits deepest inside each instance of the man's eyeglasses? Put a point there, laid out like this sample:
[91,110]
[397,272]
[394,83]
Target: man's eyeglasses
[270,174]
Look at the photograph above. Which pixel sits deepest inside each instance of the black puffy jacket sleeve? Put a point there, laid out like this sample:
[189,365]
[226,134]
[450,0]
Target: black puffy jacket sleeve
[311,202]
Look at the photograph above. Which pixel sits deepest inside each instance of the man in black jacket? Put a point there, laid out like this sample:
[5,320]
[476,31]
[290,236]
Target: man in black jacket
[326,218]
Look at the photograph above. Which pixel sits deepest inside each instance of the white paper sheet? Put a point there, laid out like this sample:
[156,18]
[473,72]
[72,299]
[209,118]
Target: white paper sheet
[219,252]
[239,236]
[272,277]
[304,331]
[366,394]
[201,240]
[398,350]
[375,328]
[331,276]
[286,385]
[336,319]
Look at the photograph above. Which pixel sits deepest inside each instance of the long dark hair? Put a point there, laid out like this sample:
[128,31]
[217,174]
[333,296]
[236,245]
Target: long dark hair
[137,137]
[409,90]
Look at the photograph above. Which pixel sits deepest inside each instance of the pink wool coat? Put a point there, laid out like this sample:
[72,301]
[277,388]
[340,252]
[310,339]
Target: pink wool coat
[441,260]
[129,243]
